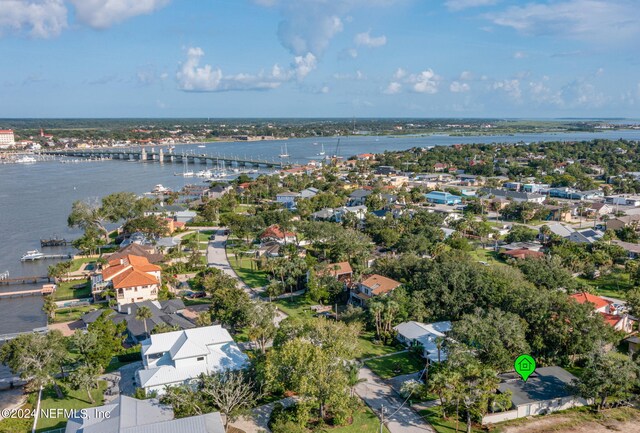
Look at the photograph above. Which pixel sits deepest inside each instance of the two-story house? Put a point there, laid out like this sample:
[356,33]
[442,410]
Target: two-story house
[176,358]
[275,234]
[371,286]
[132,278]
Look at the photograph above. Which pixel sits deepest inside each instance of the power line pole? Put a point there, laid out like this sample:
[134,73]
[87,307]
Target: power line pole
[381,418]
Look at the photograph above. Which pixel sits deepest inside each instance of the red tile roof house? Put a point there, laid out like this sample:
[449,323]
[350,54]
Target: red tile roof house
[620,322]
[276,234]
[341,271]
[371,286]
[133,279]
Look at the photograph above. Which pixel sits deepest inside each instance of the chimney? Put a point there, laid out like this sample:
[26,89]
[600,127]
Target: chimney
[129,310]
[119,308]
[122,261]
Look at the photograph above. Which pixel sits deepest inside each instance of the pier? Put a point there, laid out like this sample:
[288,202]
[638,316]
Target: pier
[24,280]
[49,256]
[23,293]
[162,156]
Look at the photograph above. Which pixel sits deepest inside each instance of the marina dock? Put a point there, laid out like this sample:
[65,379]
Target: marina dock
[49,256]
[54,242]
[24,280]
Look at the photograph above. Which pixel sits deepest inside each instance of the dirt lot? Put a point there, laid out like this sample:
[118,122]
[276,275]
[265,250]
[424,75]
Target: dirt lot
[618,420]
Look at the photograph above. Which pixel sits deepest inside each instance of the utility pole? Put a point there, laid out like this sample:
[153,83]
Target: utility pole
[382,419]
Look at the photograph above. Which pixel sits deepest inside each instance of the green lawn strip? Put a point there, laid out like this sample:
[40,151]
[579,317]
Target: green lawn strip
[369,348]
[66,290]
[203,235]
[115,364]
[70,314]
[196,301]
[434,417]
[364,421]
[396,365]
[576,371]
[248,271]
[72,400]
[296,306]
[614,284]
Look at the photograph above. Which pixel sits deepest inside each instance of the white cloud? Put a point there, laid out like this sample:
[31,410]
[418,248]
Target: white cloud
[600,21]
[365,39]
[308,26]
[457,5]
[325,90]
[192,77]
[101,14]
[425,82]
[540,93]
[358,76]
[583,94]
[519,55]
[510,87]
[466,75]
[458,87]
[399,74]
[393,88]
[39,18]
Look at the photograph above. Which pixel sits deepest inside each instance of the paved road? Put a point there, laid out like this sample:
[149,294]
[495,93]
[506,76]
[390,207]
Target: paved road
[376,393]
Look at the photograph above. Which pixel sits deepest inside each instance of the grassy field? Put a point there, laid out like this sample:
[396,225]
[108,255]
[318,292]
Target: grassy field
[296,306]
[66,290]
[369,349]
[74,313]
[252,277]
[203,235]
[433,416]
[364,421]
[488,256]
[72,400]
[614,284]
[395,365]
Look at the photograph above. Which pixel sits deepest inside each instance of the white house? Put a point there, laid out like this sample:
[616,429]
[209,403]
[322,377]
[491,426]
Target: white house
[544,392]
[7,138]
[428,335]
[176,358]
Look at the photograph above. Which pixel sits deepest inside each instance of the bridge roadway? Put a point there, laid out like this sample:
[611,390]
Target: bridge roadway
[164,156]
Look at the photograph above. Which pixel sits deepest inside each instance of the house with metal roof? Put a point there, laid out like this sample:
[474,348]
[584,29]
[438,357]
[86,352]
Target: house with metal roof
[130,415]
[428,335]
[176,358]
[440,197]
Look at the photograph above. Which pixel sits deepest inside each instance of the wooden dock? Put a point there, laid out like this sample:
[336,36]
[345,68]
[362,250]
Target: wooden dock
[24,280]
[49,256]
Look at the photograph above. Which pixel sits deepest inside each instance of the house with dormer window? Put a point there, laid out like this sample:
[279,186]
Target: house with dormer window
[132,278]
[180,357]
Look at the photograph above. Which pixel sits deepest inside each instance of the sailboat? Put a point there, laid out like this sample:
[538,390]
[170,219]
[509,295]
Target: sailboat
[187,172]
[283,152]
[322,152]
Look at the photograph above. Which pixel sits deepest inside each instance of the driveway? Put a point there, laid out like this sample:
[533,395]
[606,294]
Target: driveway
[398,418]
[259,418]
[121,381]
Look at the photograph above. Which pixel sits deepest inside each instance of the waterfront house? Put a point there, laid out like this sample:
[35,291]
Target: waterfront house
[427,335]
[372,286]
[130,415]
[439,197]
[167,312]
[132,278]
[176,358]
[218,191]
[547,390]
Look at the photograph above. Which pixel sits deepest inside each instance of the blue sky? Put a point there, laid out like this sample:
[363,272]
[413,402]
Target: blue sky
[324,58]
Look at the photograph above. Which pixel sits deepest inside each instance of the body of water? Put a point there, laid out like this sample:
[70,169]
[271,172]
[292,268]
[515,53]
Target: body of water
[35,199]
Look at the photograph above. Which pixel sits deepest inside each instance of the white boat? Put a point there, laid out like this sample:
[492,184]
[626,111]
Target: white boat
[159,189]
[322,152]
[26,159]
[203,173]
[202,146]
[284,153]
[32,255]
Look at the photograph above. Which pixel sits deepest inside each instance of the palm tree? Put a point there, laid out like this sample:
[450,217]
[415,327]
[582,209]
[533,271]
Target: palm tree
[143,314]
[49,307]
[352,370]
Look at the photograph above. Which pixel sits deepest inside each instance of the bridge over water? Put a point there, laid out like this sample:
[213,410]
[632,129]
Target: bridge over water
[163,155]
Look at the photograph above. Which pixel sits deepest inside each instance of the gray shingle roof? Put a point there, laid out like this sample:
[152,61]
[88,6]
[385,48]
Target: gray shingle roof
[547,383]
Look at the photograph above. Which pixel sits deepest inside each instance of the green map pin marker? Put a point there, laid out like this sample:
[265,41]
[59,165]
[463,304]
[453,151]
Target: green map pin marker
[525,365]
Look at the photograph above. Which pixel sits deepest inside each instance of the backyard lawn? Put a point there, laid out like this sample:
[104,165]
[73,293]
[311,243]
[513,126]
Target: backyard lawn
[364,421]
[248,271]
[296,306]
[614,284]
[74,313]
[396,365]
[77,263]
[369,348]
[72,400]
[72,290]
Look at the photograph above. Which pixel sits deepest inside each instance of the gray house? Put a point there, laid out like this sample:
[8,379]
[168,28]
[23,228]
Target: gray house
[130,415]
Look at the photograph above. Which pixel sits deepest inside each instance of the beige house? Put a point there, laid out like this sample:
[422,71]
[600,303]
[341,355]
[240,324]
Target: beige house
[132,278]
